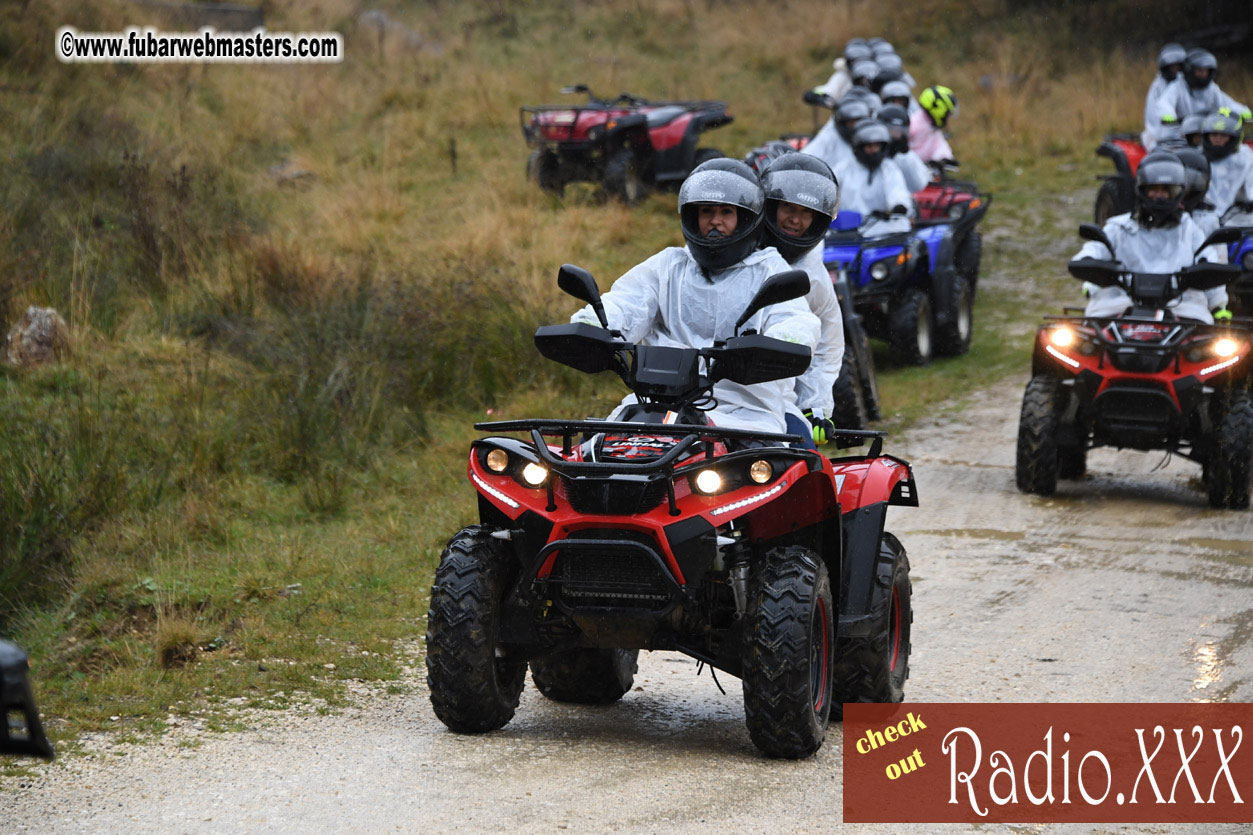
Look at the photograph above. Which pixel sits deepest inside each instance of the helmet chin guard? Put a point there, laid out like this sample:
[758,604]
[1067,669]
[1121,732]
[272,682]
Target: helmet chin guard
[727,182]
[805,181]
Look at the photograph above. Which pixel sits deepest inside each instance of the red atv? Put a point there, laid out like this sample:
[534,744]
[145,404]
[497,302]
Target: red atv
[628,144]
[1145,380]
[1116,195]
[661,531]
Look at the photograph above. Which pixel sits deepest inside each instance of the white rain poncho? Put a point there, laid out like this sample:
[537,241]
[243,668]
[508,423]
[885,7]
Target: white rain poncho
[1159,250]
[916,172]
[1230,179]
[840,81]
[1152,116]
[667,300]
[813,389]
[881,190]
[828,146]
[1179,101]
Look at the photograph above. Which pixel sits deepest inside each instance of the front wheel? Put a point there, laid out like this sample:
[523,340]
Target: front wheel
[1227,478]
[909,329]
[869,377]
[704,155]
[967,257]
[623,179]
[1036,468]
[473,688]
[586,676]
[544,169]
[850,401]
[789,637]
[873,668]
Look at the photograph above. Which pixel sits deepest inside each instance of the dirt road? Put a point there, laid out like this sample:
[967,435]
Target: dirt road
[1123,587]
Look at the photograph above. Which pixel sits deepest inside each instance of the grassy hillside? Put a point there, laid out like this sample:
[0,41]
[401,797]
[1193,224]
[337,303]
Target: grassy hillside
[245,468]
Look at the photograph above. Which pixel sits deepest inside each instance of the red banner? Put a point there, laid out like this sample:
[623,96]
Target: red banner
[1047,763]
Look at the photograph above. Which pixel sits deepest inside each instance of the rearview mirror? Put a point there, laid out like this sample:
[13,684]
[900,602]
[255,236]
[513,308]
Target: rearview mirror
[575,88]
[1091,232]
[818,99]
[780,287]
[579,283]
[1221,235]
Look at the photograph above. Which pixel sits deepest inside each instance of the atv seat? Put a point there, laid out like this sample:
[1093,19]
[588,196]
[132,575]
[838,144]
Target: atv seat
[662,115]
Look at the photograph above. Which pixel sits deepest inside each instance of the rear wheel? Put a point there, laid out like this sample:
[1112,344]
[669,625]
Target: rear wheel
[586,676]
[544,169]
[1036,468]
[789,638]
[873,668]
[850,401]
[866,369]
[909,329]
[967,257]
[704,155]
[1227,479]
[473,688]
[953,339]
[623,179]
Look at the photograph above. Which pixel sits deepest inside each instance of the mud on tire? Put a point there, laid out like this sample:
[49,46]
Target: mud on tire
[1036,468]
[869,377]
[953,339]
[1227,478]
[586,676]
[789,636]
[873,668]
[472,690]
[909,329]
[850,410]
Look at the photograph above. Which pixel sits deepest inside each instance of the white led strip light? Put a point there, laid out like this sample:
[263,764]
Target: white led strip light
[727,508]
[493,491]
[1062,356]
[1220,366]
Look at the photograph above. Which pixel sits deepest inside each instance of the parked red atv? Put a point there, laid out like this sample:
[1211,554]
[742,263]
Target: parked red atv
[661,531]
[1116,196]
[1144,380]
[628,144]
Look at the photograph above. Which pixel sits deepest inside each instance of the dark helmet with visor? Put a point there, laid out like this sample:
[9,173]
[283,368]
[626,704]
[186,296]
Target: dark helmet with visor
[1170,59]
[1193,128]
[856,50]
[1196,168]
[897,120]
[880,46]
[1199,68]
[889,61]
[721,181]
[758,158]
[806,181]
[1160,168]
[868,133]
[850,111]
[1222,124]
[863,72]
[896,92]
[885,77]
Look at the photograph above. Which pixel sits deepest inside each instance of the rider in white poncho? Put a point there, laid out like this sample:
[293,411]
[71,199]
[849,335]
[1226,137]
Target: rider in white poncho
[690,296]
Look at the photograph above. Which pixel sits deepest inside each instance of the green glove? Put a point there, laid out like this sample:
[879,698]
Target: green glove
[1222,315]
[824,429]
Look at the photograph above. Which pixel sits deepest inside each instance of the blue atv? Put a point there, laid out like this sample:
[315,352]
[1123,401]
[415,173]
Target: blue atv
[1240,291]
[915,289]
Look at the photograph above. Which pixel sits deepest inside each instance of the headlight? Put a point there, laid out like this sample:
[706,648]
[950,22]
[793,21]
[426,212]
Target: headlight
[760,471]
[1062,337]
[1225,347]
[497,460]
[879,270]
[1247,260]
[534,475]
[957,211]
[708,481]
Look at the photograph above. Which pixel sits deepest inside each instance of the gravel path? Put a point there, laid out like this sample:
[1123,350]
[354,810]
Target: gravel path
[1123,587]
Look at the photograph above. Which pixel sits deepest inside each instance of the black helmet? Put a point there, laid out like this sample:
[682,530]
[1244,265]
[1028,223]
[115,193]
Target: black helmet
[806,181]
[896,92]
[1199,68]
[871,132]
[1160,168]
[884,78]
[880,45]
[856,50]
[866,96]
[1196,168]
[1170,59]
[1224,124]
[1194,129]
[758,158]
[889,61]
[863,72]
[721,181]
[850,111]
[897,120]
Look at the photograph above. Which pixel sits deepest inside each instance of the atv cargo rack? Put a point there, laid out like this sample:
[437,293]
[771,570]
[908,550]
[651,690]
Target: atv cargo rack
[537,134]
